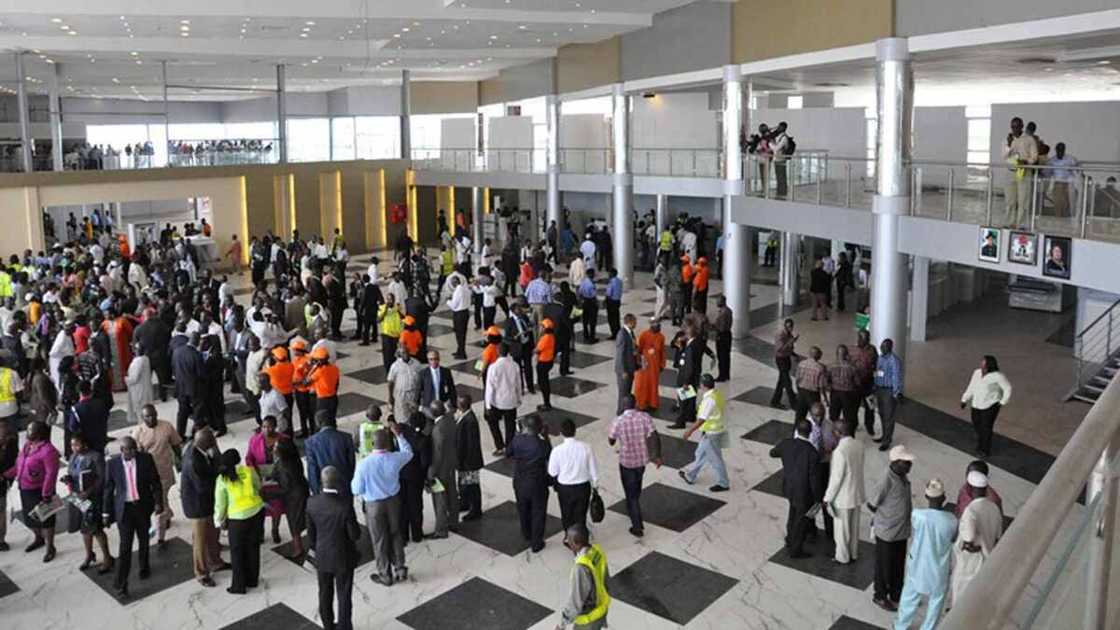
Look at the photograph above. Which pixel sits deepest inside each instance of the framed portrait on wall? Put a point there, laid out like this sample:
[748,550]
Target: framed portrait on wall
[1022,248]
[989,244]
[1058,257]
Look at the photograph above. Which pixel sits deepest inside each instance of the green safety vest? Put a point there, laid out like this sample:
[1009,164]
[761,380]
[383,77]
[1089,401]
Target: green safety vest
[5,284]
[596,561]
[666,240]
[366,431]
[714,423]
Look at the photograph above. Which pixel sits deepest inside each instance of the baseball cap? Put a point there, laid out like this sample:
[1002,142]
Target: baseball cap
[935,489]
[977,479]
[900,453]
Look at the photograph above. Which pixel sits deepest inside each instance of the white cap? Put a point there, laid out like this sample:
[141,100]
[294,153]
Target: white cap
[900,453]
[977,479]
[935,489]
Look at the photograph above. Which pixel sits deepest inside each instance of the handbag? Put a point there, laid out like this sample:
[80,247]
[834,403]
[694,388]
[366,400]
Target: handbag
[596,509]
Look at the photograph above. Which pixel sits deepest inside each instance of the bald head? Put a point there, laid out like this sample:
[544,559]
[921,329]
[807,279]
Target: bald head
[330,476]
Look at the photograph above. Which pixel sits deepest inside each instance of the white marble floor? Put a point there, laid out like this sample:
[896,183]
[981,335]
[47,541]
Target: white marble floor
[730,548]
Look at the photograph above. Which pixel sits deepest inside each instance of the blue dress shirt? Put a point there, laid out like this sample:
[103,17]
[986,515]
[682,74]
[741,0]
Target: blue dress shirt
[614,289]
[379,473]
[888,373]
[538,292]
[586,288]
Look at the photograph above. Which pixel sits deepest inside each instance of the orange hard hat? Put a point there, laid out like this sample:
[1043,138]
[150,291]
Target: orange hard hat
[298,345]
[493,331]
[320,353]
[703,259]
[409,320]
[684,257]
[547,323]
[280,353]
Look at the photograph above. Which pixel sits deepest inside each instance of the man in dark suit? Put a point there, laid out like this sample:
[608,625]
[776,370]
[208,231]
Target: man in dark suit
[519,335]
[801,483]
[154,335]
[530,450]
[560,314]
[368,300]
[329,447]
[436,383]
[189,368]
[625,360]
[196,490]
[91,418]
[470,459]
[445,461]
[332,532]
[414,476]
[688,374]
[131,495]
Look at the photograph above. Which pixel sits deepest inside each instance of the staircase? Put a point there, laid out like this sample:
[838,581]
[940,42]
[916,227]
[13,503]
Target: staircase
[1097,350]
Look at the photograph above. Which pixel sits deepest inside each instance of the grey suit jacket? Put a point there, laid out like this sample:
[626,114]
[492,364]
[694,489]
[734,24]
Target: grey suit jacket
[445,447]
[625,359]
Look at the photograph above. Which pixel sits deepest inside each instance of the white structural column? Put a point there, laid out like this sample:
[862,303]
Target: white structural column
[476,218]
[552,162]
[661,217]
[24,121]
[55,106]
[736,236]
[282,113]
[623,187]
[406,113]
[789,268]
[919,299]
[889,284]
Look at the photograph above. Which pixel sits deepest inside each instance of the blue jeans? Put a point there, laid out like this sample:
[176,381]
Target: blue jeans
[632,488]
[707,452]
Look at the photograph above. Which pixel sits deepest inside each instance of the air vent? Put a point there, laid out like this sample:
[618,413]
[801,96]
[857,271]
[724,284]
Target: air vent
[828,84]
[272,28]
[1037,61]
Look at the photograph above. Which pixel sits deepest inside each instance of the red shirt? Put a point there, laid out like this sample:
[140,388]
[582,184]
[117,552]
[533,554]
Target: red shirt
[81,339]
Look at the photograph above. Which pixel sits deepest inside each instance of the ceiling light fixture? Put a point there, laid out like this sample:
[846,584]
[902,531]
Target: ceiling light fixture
[184,21]
[134,54]
[56,20]
[72,33]
[310,23]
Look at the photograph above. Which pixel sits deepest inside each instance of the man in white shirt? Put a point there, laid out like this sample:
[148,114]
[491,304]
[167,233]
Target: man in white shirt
[503,396]
[572,464]
[846,491]
[980,528]
[460,305]
[587,250]
[272,403]
[397,288]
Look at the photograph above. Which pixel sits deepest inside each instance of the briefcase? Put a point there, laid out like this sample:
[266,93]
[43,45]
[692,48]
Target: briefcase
[597,510]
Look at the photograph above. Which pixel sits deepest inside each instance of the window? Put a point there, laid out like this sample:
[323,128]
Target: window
[377,137]
[342,138]
[795,102]
[871,117]
[309,140]
[979,140]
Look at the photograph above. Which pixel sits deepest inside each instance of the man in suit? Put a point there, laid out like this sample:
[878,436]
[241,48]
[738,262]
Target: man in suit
[800,483]
[846,492]
[91,418]
[131,495]
[625,360]
[445,461]
[196,490]
[436,383]
[560,314]
[155,336]
[332,532]
[519,334]
[369,298]
[688,375]
[189,369]
[530,451]
[470,459]
[329,447]
[414,477]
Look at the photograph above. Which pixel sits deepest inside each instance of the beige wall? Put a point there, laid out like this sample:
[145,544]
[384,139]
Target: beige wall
[490,91]
[762,29]
[443,97]
[21,218]
[582,66]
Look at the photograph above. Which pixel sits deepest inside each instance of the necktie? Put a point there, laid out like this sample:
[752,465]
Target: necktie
[130,473]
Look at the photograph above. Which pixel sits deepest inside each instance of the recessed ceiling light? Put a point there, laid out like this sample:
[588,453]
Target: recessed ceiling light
[184,28]
[310,23]
[73,33]
[116,80]
[183,34]
[493,37]
[404,29]
[139,63]
[134,54]
[184,21]
[64,27]
[56,20]
[303,34]
[538,40]
[396,35]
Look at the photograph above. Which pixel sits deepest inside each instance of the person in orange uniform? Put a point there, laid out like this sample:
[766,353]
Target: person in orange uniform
[301,390]
[651,347]
[323,378]
[490,352]
[686,285]
[546,354]
[411,339]
[700,285]
[280,371]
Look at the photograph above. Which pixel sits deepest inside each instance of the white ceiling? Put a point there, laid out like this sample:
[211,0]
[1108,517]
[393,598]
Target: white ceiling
[325,44]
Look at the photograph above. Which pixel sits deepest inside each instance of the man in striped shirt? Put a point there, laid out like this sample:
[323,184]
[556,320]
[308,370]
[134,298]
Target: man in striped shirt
[812,380]
[843,387]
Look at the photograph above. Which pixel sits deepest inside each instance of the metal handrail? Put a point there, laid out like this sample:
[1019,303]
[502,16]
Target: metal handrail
[991,596]
[1097,319]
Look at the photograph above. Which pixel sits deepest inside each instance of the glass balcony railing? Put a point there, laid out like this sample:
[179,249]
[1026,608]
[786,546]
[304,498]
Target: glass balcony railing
[643,161]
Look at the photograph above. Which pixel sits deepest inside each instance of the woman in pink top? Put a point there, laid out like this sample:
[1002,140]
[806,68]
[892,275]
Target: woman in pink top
[260,453]
[36,472]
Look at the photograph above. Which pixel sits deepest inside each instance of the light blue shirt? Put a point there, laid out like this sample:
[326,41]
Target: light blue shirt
[888,373]
[587,249]
[586,288]
[538,292]
[379,474]
[1059,168]
[614,289]
[931,550]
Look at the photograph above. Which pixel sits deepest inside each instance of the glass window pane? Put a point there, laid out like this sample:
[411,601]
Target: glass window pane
[978,157]
[978,111]
[795,102]
[342,138]
[379,137]
[309,140]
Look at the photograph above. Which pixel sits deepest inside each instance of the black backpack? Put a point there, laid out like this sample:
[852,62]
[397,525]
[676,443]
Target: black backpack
[791,146]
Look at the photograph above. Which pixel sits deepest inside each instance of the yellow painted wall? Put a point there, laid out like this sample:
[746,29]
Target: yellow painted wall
[330,203]
[582,66]
[261,203]
[443,97]
[21,215]
[490,91]
[354,210]
[762,29]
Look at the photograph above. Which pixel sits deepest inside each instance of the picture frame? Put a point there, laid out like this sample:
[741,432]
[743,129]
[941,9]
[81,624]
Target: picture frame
[988,244]
[1057,259]
[1022,248]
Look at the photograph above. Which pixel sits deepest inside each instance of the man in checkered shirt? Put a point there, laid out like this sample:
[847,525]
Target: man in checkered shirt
[812,380]
[638,444]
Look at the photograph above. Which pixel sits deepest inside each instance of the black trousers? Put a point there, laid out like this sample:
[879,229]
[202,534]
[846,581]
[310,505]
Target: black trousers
[805,399]
[245,536]
[337,309]
[305,402]
[700,300]
[984,420]
[133,524]
[687,413]
[367,329]
[186,410]
[632,488]
[574,501]
[330,584]
[525,360]
[796,528]
[590,318]
[543,368]
[785,383]
[890,567]
[412,509]
[868,411]
[613,321]
[459,321]
[532,503]
[824,470]
[470,498]
[328,404]
[841,288]
[388,350]
[488,313]
[846,403]
[495,418]
[564,349]
[723,355]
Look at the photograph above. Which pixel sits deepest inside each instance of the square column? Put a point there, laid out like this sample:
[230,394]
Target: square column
[789,269]
[552,163]
[406,114]
[281,113]
[736,272]
[919,299]
[623,187]
[894,81]
[24,113]
[476,219]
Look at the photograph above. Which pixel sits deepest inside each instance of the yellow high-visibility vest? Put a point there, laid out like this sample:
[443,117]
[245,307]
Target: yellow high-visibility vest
[596,561]
[714,423]
[6,393]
